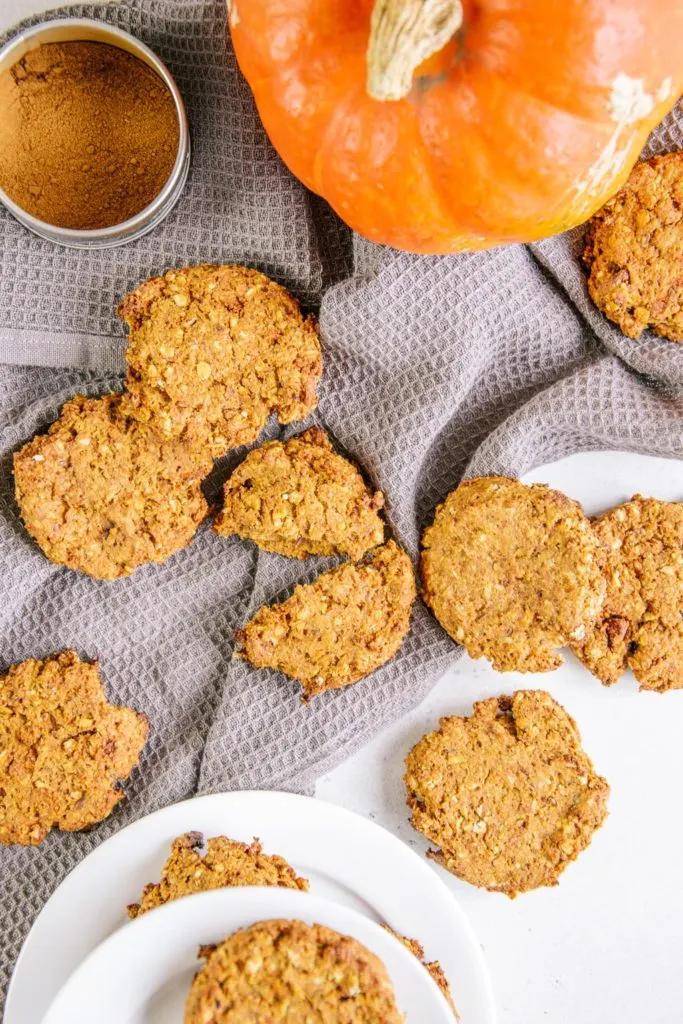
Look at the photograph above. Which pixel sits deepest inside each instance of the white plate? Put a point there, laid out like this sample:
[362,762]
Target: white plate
[346,858]
[143,972]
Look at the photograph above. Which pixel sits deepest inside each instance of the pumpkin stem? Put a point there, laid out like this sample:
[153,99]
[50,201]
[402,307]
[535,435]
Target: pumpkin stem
[403,34]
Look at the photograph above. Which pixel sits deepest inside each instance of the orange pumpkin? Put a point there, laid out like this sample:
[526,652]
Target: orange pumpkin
[439,125]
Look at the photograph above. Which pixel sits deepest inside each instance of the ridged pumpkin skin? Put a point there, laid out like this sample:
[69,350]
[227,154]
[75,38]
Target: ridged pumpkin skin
[520,127]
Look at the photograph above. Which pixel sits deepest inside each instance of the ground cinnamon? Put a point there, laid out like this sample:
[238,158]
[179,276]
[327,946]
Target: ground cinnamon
[88,134]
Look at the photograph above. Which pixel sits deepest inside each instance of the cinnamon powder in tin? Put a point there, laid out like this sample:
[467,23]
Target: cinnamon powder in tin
[88,134]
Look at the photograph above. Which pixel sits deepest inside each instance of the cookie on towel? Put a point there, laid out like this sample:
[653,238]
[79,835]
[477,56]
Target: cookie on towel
[512,572]
[291,971]
[63,748]
[225,863]
[337,630]
[641,622]
[507,795]
[214,350]
[104,494]
[300,498]
[634,251]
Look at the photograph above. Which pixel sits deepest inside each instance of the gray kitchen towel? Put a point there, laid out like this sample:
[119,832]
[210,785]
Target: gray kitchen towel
[434,368]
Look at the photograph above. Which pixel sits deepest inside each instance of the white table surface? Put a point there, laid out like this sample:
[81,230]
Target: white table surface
[606,946]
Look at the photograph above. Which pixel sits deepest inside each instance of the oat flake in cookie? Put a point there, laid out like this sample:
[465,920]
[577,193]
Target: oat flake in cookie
[641,623]
[214,350]
[300,498]
[337,630]
[103,493]
[290,971]
[226,862]
[634,251]
[512,572]
[63,748]
[507,795]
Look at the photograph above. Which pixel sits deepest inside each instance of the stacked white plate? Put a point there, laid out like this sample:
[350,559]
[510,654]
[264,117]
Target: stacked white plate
[93,966]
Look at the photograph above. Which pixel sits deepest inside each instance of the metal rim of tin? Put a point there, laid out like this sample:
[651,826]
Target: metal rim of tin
[80,29]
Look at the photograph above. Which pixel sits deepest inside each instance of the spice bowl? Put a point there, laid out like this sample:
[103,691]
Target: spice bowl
[64,30]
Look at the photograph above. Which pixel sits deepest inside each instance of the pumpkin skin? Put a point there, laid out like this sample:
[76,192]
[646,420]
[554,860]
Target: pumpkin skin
[522,126]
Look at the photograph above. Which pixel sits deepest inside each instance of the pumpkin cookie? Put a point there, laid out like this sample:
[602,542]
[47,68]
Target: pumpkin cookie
[63,748]
[634,251]
[339,629]
[300,498]
[641,623]
[295,972]
[508,794]
[512,572]
[214,350]
[103,494]
[433,966]
[225,863]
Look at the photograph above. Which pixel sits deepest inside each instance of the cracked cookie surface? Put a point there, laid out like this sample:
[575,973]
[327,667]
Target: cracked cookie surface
[641,622]
[103,494]
[213,351]
[508,794]
[225,863]
[290,971]
[63,748]
[512,572]
[634,251]
[337,630]
[301,498]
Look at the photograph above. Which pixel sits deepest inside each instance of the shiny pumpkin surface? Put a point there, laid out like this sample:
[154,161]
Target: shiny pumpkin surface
[523,125]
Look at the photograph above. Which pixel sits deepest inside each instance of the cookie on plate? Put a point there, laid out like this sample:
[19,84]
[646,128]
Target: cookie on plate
[641,622]
[433,966]
[214,350]
[225,863]
[634,251]
[63,748]
[508,794]
[337,630]
[103,494]
[512,572]
[295,972]
[300,498]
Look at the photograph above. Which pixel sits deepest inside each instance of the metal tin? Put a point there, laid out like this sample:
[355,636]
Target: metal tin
[69,29]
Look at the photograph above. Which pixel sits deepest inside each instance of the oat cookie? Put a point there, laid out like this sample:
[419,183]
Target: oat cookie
[300,498]
[512,572]
[214,350]
[225,863]
[63,748]
[641,623]
[433,966]
[339,629]
[634,251]
[508,795]
[103,493]
[290,971]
